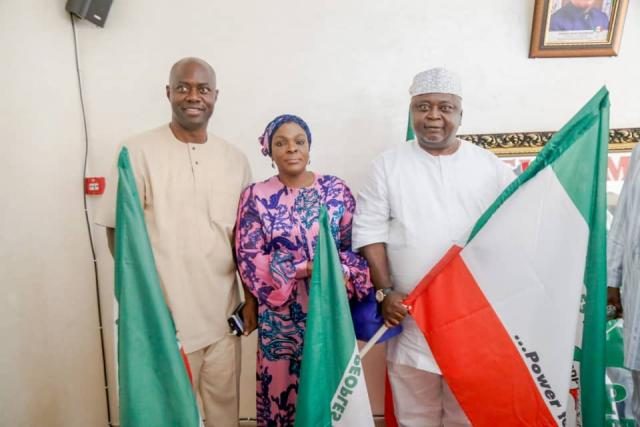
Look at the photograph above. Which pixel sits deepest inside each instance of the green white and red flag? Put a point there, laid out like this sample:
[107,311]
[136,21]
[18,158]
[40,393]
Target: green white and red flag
[503,311]
[332,389]
[154,384]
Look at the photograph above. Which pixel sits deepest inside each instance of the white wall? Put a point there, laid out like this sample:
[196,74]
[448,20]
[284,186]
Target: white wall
[50,372]
[344,66]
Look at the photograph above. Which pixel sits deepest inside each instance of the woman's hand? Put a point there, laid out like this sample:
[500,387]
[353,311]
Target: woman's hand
[309,268]
[250,314]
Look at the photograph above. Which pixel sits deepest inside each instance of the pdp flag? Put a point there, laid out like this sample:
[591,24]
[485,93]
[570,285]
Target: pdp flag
[154,386]
[501,312]
[332,389]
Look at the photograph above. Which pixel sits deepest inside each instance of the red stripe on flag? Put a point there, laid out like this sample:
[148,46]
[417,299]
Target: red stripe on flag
[389,413]
[187,365]
[477,356]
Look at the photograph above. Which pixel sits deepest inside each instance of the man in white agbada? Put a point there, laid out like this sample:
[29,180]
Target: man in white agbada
[623,270]
[418,200]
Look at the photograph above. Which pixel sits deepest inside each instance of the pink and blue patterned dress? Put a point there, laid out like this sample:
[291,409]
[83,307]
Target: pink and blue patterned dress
[276,234]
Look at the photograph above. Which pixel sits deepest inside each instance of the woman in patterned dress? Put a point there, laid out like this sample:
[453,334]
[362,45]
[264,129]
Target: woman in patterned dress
[276,234]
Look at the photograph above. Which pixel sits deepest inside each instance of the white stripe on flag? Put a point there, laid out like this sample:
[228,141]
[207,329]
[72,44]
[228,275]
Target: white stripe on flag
[350,404]
[529,265]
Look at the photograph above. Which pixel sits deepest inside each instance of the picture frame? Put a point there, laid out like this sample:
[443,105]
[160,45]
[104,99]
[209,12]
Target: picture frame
[577,28]
[530,143]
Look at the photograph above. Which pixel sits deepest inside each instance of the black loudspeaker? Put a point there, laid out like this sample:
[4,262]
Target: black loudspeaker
[95,11]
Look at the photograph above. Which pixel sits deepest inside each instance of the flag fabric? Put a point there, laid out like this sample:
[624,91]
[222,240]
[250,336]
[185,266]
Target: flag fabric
[410,133]
[618,379]
[154,386]
[389,413]
[501,311]
[367,319]
[332,389]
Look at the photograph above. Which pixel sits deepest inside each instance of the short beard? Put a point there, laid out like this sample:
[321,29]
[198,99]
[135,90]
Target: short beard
[437,147]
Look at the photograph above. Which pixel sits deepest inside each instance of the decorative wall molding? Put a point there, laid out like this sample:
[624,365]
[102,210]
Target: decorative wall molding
[529,143]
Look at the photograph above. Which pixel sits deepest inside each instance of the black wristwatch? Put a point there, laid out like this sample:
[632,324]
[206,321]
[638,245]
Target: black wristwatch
[382,293]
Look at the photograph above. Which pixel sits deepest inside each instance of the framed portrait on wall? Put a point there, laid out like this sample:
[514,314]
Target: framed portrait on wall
[571,28]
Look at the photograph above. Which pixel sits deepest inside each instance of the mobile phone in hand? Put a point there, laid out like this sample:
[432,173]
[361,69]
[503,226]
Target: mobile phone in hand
[236,322]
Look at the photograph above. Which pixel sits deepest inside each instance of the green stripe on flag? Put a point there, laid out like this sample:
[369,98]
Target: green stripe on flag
[582,171]
[410,133]
[329,340]
[154,387]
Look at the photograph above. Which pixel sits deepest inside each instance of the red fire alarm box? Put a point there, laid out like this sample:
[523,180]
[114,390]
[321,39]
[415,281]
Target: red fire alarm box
[94,186]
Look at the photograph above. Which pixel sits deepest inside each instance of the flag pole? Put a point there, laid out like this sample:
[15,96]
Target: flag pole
[374,339]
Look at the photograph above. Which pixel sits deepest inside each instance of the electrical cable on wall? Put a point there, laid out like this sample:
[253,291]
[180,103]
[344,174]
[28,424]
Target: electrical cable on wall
[86,215]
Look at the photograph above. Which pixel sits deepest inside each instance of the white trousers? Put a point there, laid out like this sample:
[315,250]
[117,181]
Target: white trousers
[423,399]
[216,381]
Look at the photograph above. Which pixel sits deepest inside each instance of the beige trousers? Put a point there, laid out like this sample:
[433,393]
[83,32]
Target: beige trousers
[216,381]
[423,399]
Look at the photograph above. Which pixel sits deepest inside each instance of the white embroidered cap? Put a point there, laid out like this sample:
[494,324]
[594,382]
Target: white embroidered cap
[436,80]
